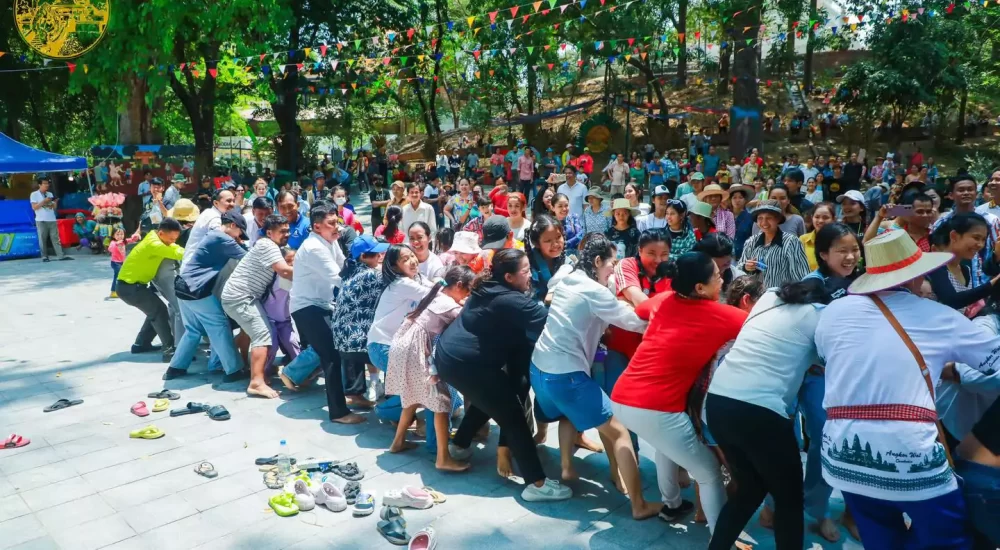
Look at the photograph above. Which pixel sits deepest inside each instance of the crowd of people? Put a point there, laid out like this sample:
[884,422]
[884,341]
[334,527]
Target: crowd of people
[723,322]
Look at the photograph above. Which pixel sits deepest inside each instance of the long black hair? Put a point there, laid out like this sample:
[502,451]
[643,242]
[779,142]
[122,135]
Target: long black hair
[393,215]
[389,271]
[744,285]
[456,275]
[539,225]
[959,223]
[717,245]
[596,246]
[688,271]
[505,261]
[810,290]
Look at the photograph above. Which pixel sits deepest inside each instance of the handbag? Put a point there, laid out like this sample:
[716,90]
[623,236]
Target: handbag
[920,363]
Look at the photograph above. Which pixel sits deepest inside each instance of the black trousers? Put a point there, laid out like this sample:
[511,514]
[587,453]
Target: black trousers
[157,321]
[763,457]
[354,366]
[313,323]
[494,394]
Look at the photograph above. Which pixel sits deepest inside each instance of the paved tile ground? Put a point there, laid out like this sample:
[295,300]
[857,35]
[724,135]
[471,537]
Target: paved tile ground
[83,484]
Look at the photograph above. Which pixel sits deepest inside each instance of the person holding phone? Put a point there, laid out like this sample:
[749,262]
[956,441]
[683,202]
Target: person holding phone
[914,215]
[776,255]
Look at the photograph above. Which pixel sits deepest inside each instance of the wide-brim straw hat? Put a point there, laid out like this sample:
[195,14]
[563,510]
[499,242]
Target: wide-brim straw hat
[747,191]
[621,204]
[184,211]
[713,189]
[892,259]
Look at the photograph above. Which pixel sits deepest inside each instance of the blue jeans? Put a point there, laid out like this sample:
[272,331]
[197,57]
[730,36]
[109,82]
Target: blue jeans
[982,496]
[205,318]
[607,374]
[817,491]
[304,364]
[392,408]
[937,523]
[115,268]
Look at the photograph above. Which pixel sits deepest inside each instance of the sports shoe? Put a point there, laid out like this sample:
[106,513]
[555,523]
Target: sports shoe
[669,514]
[408,497]
[551,490]
[144,349]
[114,294]
[379,389]
[364,505]
[459,453]
[172,373]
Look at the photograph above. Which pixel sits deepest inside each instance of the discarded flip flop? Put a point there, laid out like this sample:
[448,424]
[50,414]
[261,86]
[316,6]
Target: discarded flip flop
[283,504]
[62,404]
[271,461]
[139,409]
[438,496]
[14,441]
[149,432]
[218,412]
[161,405]
[425,539]
[206,469]
[191,408]
[348,470]
[270,477]
[165,394]
[394,531]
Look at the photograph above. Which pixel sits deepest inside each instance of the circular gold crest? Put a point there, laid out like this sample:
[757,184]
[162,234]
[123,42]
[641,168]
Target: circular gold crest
[62,29]
[597,139]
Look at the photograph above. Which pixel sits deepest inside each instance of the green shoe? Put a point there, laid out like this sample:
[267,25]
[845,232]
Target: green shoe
[284,505]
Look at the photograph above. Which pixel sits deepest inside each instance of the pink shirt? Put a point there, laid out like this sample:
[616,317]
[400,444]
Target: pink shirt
[117,248]
[525,168]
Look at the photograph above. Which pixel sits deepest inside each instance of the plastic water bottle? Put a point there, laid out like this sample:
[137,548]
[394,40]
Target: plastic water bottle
[284,463]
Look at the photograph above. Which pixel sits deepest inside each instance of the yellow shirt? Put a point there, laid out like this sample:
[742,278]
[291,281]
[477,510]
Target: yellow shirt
[142,263]
[809,244]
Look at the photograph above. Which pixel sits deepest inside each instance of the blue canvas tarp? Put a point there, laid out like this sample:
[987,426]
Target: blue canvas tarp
[18,158]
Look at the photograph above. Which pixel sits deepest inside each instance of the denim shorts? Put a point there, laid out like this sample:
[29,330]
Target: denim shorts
[574,395]
[379,355]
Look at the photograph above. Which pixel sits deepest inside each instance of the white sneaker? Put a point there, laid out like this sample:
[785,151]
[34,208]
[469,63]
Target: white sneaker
[549,491]
[408,497]
[379,389]
[459,453]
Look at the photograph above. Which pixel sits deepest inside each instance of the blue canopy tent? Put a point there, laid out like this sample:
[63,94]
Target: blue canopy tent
[18,158]
[18,237]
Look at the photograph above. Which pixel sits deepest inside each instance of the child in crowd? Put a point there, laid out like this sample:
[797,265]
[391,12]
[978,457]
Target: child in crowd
[117,249]
[389,230]
[278,316]
[443,241]
[412,375]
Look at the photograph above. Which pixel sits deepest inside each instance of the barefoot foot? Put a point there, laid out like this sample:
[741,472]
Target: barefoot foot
[350,419]
[261,390]
[584,443]
[767,517]
[569,474]
[398,447]
[847,520]
[620,485]
[646,510]
[504,467]
[828,530]
[452,465]
[360,402]
[541,433]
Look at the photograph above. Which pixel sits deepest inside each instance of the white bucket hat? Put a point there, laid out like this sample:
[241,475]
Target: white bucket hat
[892,259]
[466,242]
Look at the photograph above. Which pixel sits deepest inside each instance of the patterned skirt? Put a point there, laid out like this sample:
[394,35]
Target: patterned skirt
[406,376]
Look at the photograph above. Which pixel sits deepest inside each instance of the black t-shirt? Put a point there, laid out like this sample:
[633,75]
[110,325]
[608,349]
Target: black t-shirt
[834,188]
[626,241]
[852,175]
[377,194]
[987,430]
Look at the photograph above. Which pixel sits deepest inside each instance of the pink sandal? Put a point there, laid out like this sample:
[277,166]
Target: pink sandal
[14,441]
[139,409]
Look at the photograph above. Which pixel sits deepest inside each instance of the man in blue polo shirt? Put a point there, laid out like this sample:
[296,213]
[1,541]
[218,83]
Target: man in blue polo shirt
[298,225]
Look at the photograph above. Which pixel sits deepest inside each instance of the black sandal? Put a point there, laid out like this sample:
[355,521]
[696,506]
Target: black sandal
[62,404]
[165,394]
[191,408]
[394,531]
[218,412]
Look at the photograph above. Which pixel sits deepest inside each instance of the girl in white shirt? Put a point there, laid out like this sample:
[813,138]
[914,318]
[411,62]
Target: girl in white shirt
[581,310]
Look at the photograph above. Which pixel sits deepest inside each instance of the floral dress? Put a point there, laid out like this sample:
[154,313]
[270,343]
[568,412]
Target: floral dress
[410,357]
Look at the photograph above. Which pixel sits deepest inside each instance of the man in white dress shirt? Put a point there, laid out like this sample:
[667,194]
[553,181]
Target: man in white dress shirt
[416,210]
[211,218]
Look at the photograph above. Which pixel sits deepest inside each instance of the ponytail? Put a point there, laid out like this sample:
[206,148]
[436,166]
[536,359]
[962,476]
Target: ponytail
[456,275]
[806,291]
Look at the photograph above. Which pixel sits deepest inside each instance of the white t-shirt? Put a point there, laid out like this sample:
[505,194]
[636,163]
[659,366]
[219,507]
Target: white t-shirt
[46,213]
[650,221]
[208,220]
[398,299]
[432,267]
[771,355]
[867,363]
[577,194]
[961,404]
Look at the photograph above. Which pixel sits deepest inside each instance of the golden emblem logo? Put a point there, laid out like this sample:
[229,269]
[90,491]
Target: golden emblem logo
[62,29]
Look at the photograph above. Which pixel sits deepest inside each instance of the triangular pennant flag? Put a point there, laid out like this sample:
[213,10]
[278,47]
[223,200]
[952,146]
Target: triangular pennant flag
[546,47]
[420,58]
[343,91]
[298,67]
[513,11]
[354,85]
[598,45]
[350,62]
[552,3]
[3,54]
[340,46]
[551,65]
[322,50]
[357,44]
[451,25]
[643,56]
[749,40]
[476,54]
[680,37]
[531,50]
[562,8]
[470,19]
[214,73]
[183,65]
[195,73]
[45,62]
[676,51]
[579,63]
[511,50]
[509,23]
[537,5]
[402,60]
[493,16]
[628,57]
[477,74]
[385,60]
[492,72]
[333,64]
[307,50]
[475,31]
[71,66]
[583,4]
[391,36]
[410,33]
[524,19]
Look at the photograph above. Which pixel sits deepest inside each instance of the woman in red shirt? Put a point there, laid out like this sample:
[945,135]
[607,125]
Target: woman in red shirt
[687,327]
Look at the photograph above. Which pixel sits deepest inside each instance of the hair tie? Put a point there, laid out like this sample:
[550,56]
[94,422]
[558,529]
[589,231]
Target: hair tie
[443,282]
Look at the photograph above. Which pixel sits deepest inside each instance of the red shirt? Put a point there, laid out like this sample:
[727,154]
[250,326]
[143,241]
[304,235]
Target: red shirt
[397,238]
[627,274]
[586,163]
[682,337]
[499,201]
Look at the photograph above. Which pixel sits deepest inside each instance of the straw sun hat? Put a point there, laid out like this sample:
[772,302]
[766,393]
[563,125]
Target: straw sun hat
[892,259]
[713,189]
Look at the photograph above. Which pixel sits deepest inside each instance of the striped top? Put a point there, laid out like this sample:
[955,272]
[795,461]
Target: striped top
[785,258]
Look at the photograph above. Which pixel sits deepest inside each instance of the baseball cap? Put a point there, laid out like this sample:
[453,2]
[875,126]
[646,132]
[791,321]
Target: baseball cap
[366,244]
[495,232]
[661,190]
[854,195]
[234,217]
[318,175]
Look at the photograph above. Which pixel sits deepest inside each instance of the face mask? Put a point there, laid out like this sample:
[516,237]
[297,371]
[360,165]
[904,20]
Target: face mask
[340,201]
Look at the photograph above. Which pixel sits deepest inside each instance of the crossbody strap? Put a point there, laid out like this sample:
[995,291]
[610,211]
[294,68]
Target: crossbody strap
[924,371]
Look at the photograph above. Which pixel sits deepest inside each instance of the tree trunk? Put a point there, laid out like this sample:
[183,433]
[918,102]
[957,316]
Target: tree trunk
[960,131]
[136,123]
[199,104]
[36,118]
[745,132]
[725,54]
[286,109]
[531,128]
[788,64]
[807,70]
[647,71]
[451,104]
[682,15]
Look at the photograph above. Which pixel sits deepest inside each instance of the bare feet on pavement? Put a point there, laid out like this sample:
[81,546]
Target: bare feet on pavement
[504,467]
[584,443]
[261,390]
[350,419]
